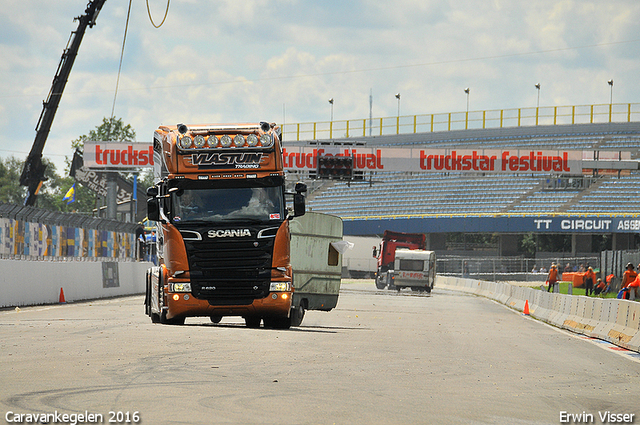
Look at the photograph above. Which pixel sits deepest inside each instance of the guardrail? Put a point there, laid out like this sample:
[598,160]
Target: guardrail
[466,120]
[613,320]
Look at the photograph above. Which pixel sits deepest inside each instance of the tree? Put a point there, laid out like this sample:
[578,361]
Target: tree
[111,130]
[10,190]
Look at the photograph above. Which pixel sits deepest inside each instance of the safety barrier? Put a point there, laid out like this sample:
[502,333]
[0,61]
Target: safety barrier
[613,320]
[28,233]
[28,283]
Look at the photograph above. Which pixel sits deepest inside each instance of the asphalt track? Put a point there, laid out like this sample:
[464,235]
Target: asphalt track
[380,357]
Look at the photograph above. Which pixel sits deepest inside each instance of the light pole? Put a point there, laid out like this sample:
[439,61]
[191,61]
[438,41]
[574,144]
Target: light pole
[466,116]
[331,102]
[537,102]
[398,118]
[467,90]
[610,82]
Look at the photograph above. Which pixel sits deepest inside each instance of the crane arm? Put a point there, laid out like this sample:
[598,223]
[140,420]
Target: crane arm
[33,172]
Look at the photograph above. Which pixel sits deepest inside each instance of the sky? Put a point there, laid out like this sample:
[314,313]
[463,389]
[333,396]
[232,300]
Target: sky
[224,61]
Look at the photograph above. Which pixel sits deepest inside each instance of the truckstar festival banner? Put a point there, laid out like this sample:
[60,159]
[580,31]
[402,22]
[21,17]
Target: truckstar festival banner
[118,155]
[441,160]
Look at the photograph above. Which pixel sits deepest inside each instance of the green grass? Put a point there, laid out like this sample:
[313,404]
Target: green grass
[564,289]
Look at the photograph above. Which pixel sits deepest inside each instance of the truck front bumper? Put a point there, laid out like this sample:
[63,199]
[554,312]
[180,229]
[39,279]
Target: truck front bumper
[276,304]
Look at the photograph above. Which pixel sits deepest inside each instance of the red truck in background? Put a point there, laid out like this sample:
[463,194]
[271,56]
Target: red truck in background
[403,262]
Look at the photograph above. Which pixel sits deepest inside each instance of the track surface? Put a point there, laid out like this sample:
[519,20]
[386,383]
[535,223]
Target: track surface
[380,357]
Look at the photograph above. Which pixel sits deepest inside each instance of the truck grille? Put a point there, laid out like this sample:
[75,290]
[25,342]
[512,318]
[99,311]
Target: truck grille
[230,271]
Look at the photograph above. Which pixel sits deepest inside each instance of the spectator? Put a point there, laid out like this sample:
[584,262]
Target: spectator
[568,268]
[628,276]
[534,269]
[634,286]
[552,278]
[589,279]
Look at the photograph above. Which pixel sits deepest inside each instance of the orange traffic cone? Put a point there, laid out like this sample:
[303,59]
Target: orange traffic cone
[526,308]
[62,300]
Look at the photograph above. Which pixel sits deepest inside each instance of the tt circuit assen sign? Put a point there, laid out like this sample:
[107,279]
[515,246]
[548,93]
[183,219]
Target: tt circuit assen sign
[118,155]
[491,224]
[442,160]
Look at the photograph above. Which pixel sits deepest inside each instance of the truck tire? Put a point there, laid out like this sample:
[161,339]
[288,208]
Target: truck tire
[172,321]
[215,319]
[297,314]
[277,322]
[252,321]
[155,318]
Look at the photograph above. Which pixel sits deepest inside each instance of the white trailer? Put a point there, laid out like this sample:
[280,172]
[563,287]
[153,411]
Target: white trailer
[415,269]
[316,260]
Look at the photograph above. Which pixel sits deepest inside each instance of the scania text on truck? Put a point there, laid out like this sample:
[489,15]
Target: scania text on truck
[223,225]
[403,262]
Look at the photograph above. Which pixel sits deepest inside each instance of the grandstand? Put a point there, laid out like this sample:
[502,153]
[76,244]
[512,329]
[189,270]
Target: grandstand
[410,193]
[601,201]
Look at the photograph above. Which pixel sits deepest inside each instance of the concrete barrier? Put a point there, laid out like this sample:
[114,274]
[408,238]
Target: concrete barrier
[39,282]
[613,320]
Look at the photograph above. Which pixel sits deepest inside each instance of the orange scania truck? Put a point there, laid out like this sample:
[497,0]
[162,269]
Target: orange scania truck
[223,238]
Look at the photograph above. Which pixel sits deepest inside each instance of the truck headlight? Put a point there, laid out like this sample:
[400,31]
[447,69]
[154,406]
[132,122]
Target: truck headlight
[198,141]
[180,287]
[185,142]
[266,140]
[280,286]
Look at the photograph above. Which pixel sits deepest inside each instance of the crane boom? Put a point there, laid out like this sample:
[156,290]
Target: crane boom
[33,172]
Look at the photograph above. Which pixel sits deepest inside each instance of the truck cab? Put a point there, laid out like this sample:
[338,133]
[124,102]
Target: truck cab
[223,240]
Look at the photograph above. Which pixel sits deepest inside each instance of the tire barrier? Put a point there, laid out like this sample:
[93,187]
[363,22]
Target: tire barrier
[614,320]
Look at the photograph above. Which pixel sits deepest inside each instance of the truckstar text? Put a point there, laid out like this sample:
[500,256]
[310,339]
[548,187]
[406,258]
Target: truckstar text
[128,156]
[534,161]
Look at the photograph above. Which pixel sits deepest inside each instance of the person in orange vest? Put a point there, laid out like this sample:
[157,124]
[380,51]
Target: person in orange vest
[600,287]
[634,286]
[553,277]
[589,279]
[629,276]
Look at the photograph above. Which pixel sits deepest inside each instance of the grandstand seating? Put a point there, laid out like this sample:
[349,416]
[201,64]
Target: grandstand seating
[398,193]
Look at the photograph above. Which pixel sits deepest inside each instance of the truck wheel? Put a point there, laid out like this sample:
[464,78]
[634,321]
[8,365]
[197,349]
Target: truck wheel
[252,321]
[215,319]
[155,318]
[297,314]
[172,321]
[380,284]
[428,288]
[277,322]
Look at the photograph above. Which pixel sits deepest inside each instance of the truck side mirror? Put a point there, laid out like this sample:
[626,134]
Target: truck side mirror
[153,206]
[298,205]
[298,199]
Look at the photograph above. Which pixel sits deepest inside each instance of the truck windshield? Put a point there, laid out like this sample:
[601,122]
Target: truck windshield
[262,204]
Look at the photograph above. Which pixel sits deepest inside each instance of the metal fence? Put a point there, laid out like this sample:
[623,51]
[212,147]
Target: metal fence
[28,233]
[498,118]
[500,269]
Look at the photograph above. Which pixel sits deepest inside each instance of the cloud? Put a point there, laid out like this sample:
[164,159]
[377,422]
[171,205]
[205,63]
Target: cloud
[280,60]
